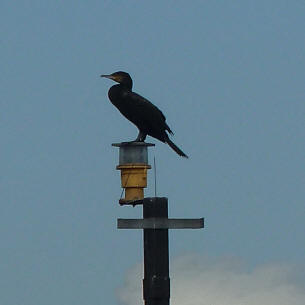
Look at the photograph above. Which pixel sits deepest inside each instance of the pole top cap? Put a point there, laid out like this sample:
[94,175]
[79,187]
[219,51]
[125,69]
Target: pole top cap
[133,143]
[133,152]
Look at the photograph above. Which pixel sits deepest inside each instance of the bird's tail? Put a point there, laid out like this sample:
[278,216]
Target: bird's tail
[175,148]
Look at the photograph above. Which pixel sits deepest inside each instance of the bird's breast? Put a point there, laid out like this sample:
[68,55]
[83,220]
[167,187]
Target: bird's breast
[117,94]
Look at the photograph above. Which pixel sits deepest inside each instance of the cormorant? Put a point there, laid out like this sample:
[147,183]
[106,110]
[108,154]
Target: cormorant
[141,112]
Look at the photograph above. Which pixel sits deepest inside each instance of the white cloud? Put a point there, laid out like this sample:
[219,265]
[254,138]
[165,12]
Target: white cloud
[198,281]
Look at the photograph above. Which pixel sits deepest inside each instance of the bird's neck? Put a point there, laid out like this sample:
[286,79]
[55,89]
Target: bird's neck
[126,86]
[126,83]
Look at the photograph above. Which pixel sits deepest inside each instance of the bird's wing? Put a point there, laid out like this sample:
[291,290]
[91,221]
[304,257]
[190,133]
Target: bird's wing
[145,114]
[140,103]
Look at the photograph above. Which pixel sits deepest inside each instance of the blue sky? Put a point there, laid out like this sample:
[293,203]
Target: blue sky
[229,76]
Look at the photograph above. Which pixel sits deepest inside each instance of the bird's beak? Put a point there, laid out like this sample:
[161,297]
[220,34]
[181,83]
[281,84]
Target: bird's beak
[107,76]
[115,78]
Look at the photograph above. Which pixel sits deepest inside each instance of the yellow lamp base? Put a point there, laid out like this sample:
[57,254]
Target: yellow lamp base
[133,180]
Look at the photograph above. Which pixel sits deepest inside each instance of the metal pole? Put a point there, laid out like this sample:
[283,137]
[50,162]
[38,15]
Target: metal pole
[156,283]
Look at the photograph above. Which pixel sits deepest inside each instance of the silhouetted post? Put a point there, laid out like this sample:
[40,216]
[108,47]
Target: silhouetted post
[156,285]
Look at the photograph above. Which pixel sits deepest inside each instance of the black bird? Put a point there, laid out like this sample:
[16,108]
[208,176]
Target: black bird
[137,109]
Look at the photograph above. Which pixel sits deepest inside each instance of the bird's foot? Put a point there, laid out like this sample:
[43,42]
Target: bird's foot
[138,140]
[131,142]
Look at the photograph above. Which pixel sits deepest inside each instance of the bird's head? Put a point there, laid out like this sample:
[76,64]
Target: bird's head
[120,77]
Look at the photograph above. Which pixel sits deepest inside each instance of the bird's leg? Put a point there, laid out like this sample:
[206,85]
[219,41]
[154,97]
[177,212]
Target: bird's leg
[141,137]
